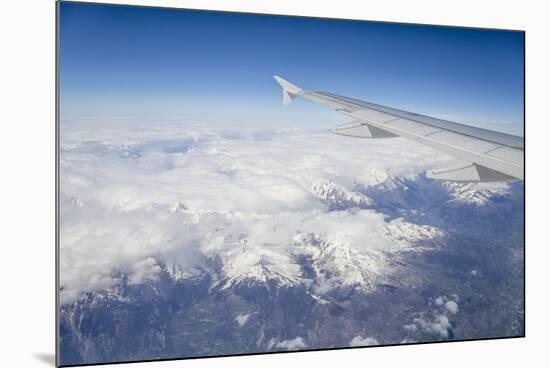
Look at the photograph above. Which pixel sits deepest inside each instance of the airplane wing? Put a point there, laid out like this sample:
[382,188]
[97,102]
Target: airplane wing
[482,155]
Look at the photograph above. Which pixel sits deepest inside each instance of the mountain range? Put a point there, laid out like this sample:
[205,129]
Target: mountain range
[449,265]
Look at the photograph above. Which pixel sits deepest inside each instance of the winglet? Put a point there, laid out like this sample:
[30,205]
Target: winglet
[289,90]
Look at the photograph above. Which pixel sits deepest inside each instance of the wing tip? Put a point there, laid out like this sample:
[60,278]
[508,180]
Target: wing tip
[289,90]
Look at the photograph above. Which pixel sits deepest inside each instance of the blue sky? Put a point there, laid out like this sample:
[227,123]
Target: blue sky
[146,64]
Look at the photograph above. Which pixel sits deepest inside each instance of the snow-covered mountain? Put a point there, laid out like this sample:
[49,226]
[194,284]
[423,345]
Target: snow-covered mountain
[477,193]
[336,196]
[213,244]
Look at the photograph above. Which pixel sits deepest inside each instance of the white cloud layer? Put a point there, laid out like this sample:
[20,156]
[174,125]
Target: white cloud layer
[438,323]
[242,319]
[132,197]
[360,341]
[293,344]
[452,306]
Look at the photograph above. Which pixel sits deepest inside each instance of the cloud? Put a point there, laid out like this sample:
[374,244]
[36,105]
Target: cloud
[450,303]
[294,344]
[131,199]
[436,319]
[452,306]
[130,169]
[143,270]
[360,341]
[439,325]
[242,319]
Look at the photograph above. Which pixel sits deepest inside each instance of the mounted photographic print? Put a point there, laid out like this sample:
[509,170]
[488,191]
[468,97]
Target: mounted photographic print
[233,183]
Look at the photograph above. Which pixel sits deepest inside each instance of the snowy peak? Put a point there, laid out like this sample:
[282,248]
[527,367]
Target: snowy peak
[179,273]
[478,194]
[337,196]
[338,265]
[261,272]
[392,184]
[408,235]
